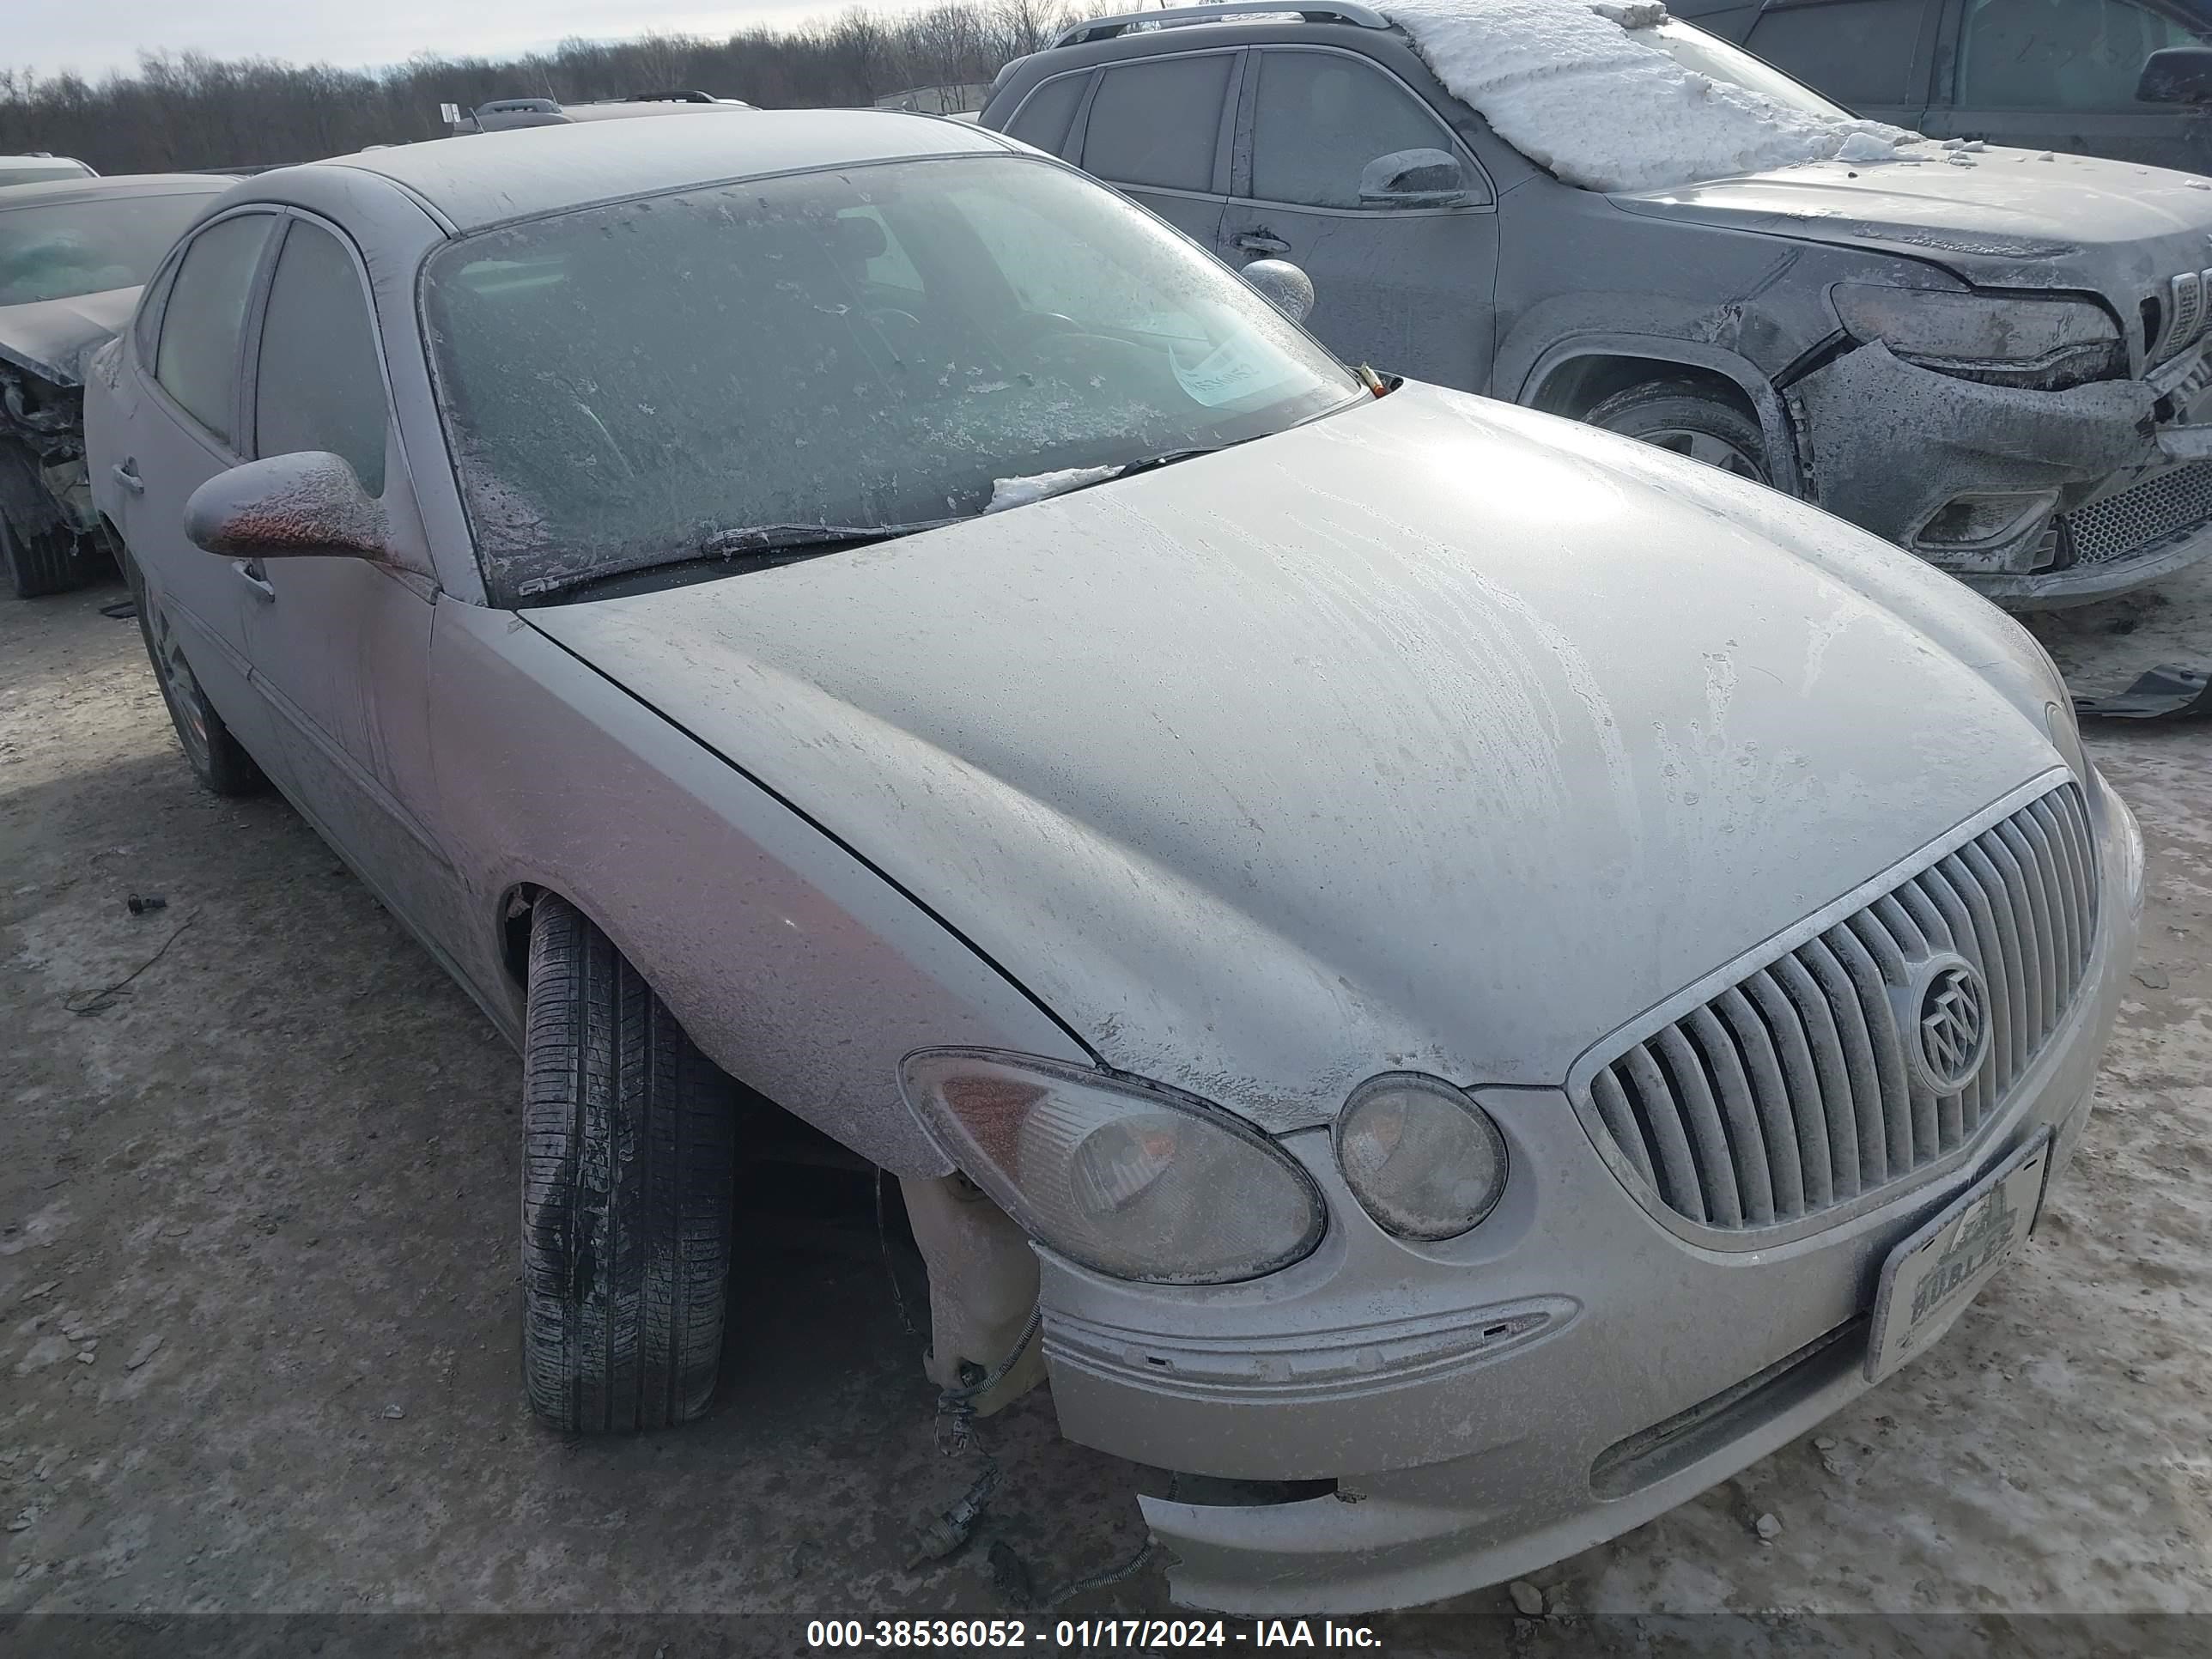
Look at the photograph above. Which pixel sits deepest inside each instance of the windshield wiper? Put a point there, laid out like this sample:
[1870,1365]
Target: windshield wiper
[743,547]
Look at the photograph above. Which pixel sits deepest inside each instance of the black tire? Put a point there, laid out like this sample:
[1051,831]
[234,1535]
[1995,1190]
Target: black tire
[626,1174]
[48,562]
[217,759]
[1689,420]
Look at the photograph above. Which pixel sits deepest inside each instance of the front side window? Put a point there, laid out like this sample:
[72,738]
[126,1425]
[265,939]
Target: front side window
[630,385]
[197,360]
[1319,119]
[318,384]
[58,250]
[2063,54]
[1156,122]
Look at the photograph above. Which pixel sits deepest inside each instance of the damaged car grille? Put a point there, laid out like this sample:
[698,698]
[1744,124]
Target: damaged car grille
[1792,1092]
[2137,520]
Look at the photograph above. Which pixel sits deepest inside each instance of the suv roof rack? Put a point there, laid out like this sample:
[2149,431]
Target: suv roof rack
[1336,11]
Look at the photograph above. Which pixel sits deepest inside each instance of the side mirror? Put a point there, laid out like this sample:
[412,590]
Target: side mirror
[1284,286]
[1413,178]
[2178,75]
[288,506]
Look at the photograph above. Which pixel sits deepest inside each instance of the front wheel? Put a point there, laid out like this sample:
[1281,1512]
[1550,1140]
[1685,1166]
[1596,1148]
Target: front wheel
[627,1187]
[1689,420]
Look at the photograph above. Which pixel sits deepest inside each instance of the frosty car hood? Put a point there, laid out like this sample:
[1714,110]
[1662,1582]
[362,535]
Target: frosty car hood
[52,337]
[1436,734]
[2070,222]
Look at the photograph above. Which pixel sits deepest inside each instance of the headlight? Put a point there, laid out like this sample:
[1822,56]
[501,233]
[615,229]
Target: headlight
[2045,344]
[1421,1157]
[1129,1177]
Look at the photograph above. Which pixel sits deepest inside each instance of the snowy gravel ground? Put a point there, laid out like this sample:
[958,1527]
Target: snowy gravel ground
[258,1327]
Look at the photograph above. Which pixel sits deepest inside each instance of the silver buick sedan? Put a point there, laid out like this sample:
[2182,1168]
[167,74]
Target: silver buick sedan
[1449,976]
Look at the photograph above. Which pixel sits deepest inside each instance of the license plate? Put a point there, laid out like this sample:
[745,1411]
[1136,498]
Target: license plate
[1930,1278]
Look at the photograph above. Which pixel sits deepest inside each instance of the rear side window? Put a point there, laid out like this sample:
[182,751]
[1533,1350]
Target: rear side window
[196,361]
[1047,111]
[1859,53]
[1156,123]
[1320,117]
[318,384]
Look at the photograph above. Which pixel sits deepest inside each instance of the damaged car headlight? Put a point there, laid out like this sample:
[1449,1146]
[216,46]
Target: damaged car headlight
[2040,344]
[1129,1177]
[1421,1157]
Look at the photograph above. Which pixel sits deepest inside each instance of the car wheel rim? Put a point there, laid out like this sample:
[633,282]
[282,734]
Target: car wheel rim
[183,691]
[1706,446]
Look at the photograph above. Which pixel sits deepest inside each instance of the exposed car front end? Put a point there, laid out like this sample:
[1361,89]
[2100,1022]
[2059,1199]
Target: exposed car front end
[1617,1336]
[2014,391]
[1504,1101]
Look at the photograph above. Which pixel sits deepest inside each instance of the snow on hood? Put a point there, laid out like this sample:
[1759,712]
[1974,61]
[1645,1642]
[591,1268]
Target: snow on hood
[1356,747]
[1584,88]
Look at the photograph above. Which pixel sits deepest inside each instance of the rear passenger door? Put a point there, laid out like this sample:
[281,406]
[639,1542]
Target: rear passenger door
[1408,288]
[1157,129]
[188,423]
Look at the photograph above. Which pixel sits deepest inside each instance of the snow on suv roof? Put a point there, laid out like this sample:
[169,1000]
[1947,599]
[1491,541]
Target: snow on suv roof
[1604,94]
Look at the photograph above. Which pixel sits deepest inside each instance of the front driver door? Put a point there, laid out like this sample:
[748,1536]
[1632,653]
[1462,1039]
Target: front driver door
[1407,289]
[2061,74]
[341,647]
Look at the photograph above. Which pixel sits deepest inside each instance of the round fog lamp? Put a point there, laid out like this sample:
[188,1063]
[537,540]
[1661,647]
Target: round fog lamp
[1421,1157]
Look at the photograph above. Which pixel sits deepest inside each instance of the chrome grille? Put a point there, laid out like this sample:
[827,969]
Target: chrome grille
[1790,1094]
[2188,311]
[2154,512]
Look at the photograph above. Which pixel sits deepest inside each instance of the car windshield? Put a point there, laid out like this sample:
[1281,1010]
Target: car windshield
[1718,60]
[54,250]
[631,384]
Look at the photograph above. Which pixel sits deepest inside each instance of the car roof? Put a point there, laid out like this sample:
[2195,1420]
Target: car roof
[486,178]
[51,190]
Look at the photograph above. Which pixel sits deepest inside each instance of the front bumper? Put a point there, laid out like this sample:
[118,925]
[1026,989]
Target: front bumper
[1889,445]
[1478,1408]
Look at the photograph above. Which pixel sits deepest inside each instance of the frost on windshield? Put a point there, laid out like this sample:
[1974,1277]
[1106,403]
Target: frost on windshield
[1589,90]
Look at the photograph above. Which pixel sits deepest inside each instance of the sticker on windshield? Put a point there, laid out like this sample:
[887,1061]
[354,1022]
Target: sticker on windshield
[1237,367]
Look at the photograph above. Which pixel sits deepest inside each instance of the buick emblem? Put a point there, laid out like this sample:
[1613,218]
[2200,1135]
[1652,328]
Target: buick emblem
[1949,1037]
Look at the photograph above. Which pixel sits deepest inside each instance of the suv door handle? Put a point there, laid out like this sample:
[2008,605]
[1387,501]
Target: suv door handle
[249,572]
[1259,241]
[126,474]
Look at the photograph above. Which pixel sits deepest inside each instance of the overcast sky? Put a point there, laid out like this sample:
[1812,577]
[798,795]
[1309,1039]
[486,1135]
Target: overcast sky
[95,36]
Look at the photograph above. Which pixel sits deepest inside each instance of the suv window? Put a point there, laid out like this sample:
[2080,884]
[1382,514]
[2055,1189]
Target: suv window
[2059,54]
[1047,111]
[1859,53]
[197,360]
[1156,123]
[318,384]
[1321,117]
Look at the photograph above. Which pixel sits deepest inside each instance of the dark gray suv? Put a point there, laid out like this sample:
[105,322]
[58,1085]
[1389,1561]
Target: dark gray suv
[1993,358]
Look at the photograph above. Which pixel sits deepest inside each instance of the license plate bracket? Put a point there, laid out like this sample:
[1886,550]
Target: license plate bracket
[1928,1279]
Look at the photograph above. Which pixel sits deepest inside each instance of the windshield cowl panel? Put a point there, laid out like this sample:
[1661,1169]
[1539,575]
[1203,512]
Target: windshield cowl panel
[643,382]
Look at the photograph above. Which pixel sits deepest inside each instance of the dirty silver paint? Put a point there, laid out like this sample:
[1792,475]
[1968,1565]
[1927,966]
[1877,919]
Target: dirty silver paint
[1542,294]
[1348,750]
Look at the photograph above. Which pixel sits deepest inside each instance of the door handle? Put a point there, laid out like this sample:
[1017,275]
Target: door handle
[126,474]
[249,572]
[1259,241]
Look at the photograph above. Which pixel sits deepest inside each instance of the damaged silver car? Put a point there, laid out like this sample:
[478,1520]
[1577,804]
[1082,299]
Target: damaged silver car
[1994,357]
[73,250]
[842,611]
